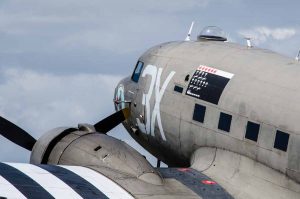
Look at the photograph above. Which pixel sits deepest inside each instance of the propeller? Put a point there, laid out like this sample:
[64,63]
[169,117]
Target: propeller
[16,134]
[112,121]
[20,137]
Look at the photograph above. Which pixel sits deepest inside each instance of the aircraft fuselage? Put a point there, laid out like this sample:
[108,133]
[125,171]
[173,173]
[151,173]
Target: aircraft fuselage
[190,95]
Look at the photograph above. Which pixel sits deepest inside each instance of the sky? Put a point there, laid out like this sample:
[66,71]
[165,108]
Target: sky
[60,60]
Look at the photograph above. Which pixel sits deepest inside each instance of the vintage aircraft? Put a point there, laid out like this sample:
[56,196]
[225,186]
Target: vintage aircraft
[222,116]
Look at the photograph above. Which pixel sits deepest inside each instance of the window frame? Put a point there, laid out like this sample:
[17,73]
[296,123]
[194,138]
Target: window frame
[258,131]
[203,112]
[221,127]
[136,80]
[277,145]
[178,89]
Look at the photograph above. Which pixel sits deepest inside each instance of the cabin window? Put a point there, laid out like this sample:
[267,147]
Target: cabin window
[178,89]
[252,131]
[281,141]
[137,71]
[224,122]
[199,113]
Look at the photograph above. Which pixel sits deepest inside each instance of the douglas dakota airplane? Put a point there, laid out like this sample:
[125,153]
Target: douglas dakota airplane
[224,117]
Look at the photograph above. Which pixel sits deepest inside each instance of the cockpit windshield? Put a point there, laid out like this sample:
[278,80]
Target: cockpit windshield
[137,71]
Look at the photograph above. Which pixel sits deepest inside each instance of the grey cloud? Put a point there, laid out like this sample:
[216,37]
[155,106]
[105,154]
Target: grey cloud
[38,102]
[28,96]
[71,36]
[262,34]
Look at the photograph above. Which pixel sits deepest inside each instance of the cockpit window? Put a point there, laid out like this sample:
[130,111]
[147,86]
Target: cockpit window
[137,71]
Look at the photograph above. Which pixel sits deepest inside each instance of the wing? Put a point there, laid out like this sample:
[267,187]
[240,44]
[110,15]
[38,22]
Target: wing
[49,181]
[20,180]
[243,177]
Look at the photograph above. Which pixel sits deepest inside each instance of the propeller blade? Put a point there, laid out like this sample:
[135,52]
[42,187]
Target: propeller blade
[15,134]
[112,121]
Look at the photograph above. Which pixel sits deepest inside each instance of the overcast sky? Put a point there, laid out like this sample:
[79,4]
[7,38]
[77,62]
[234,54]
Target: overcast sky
[61,59]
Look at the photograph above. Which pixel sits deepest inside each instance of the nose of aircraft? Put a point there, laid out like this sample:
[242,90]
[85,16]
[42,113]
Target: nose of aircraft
[119,97]
[123,95]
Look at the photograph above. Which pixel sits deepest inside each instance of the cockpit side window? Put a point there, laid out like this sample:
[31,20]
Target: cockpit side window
[137,71]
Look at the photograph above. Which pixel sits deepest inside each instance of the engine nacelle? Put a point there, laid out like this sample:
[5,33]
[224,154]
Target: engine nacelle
[85,147]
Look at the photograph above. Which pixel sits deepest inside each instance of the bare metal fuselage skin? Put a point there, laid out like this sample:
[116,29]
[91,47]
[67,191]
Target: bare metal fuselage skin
[263,88]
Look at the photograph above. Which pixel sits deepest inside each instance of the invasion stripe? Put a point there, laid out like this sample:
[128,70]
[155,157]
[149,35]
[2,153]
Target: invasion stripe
[27,186]
[56,187]
[76,182]
[106,185]
[7,190]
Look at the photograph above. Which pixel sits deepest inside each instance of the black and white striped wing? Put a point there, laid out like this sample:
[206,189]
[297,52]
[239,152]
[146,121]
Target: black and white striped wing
[18,180]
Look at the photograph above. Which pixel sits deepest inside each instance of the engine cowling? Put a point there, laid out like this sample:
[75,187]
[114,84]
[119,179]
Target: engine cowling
[85,147]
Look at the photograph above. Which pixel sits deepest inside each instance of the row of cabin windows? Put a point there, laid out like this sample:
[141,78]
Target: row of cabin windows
[252,129]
